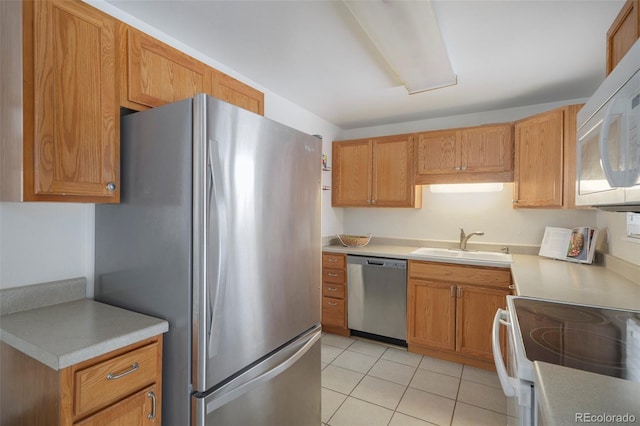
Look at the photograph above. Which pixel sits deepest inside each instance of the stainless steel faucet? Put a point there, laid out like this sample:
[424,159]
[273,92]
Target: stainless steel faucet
[464,238]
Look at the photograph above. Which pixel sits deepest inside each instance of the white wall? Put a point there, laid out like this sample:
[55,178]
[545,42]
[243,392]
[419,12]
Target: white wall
[465,120]
[42,242]
[442,214]
[617,244]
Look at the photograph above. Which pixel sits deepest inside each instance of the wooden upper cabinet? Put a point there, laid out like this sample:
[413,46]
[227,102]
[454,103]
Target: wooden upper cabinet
[474,154]
[237,93]
[155,74]
[623,33]
[352,173]
[375,173]
[545,156]
[539,160]
[438,153]
[487,149]
[71,126]
[393,172]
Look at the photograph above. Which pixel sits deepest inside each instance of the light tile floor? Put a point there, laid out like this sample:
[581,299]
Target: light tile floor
[369,383]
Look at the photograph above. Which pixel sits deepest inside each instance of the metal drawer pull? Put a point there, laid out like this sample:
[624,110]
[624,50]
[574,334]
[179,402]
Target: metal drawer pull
[332,303]
[512,287]
[332,274]
[332,260]
[152,414]
[112,376]
[332,289]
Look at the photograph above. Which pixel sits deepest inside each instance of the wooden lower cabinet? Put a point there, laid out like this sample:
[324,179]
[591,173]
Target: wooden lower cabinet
[476,308]
[431,314]
[450,310]
[122,387]
[334,294]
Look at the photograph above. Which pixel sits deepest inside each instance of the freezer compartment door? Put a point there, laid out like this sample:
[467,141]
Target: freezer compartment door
[257,248]
[282,390]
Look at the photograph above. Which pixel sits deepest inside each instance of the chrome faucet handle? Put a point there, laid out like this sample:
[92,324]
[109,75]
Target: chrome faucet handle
[462,234]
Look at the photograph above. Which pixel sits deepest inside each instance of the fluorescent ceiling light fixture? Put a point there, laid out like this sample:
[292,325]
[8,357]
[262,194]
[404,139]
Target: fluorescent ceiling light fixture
[459,188]
[408,36]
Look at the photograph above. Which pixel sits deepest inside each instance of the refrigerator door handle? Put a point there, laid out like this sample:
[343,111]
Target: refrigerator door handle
[215,205]
[227,395]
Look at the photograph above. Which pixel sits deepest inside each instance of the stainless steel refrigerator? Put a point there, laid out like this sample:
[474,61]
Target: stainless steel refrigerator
[218,232]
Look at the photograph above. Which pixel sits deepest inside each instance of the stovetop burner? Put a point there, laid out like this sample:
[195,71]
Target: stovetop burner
[600,340]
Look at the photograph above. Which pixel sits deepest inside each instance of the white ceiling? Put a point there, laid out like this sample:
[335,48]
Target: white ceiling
[506,53]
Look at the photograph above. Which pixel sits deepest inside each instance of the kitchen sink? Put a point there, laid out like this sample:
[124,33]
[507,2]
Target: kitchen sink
[472,257]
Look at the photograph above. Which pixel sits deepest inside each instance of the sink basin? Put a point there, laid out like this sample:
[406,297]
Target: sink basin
[482,258]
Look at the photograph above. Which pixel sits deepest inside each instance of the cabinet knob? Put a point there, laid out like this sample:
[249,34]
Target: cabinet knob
[111,186]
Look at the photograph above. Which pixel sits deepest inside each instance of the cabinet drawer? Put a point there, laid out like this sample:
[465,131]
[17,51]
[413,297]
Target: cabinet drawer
[115,378]
[460,274]
[336,261]
[335,291]
[333,312]
[336,276]
[141,408]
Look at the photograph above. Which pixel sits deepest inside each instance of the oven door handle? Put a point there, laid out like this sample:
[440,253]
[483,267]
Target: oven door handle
[508,383]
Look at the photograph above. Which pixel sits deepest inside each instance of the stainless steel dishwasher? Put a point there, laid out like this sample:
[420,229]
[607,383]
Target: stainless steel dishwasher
[377,298]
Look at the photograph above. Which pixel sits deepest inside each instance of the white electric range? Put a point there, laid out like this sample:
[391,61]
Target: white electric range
[590,338]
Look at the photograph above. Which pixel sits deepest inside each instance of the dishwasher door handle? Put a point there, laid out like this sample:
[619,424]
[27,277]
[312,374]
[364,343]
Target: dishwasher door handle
[376,263]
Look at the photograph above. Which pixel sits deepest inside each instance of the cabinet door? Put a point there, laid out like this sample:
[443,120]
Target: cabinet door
[393,175]
[72,127]
[476,308]
[140,409]
[438,153]
[487,149]
[351,180]
[538,177]
[431,314]
[158,74]
[237,93]
[623,33]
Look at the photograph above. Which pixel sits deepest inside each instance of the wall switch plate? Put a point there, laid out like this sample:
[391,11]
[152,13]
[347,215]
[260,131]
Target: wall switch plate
[633,225]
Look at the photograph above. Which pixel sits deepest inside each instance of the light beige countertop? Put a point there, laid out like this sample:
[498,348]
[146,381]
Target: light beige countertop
[563,391]
[65,334]
[397,252]
[536,276]
[567,397]
[540,277]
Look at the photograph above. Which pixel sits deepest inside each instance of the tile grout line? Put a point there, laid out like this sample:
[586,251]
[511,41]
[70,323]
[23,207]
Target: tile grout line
[417,367]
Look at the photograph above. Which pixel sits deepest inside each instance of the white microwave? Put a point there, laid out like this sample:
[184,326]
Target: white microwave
[608,150]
